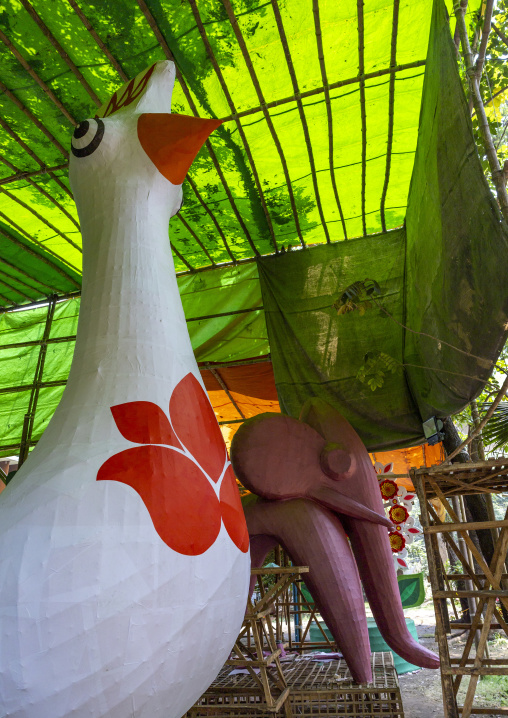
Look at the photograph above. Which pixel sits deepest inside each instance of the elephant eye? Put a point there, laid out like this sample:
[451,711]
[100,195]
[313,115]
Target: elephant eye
[87,137]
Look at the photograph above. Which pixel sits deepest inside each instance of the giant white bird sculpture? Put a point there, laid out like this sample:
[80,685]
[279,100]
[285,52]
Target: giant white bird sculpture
[124,562]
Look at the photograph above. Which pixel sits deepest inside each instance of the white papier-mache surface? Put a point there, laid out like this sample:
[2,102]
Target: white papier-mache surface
[98,615]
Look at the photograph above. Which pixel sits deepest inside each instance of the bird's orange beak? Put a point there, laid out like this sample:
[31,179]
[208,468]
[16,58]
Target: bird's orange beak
[173,141]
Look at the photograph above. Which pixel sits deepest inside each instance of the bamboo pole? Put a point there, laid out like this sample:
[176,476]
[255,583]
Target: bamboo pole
[361,72]
[196,238]
[224,388]
[181,258]
[54,99]
[30,152]
[14,289]
[329,118]
[39,256]
[391,105]
[449,703]
[331,86]
[498,177]
[65,57]
[21,175]
[248,62]
[41,219]
[12,305]
[165,47]
[20,281]
[212,217]
[239,125]
[26,437]
[12,97]
[301,112]
[86,22]
[38,342]
[44,193]
[25,274]
[477,430]
[220,265]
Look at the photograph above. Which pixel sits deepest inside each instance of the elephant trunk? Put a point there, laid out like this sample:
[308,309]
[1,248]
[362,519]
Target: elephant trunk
[313,536]
[373,554]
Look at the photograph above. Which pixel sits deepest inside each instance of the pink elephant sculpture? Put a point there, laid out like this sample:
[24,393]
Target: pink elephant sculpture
[319,498]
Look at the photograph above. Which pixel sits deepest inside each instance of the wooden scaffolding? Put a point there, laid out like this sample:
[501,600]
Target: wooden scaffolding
[484,583]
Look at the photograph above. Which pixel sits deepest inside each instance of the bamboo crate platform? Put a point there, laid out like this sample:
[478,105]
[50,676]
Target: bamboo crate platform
[485,585]
[316,689]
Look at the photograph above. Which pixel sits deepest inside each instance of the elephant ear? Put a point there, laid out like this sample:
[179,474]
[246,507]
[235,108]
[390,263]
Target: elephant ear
[277,457]
[332,426]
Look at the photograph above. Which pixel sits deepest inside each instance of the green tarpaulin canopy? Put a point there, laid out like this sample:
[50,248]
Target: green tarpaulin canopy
[322,103]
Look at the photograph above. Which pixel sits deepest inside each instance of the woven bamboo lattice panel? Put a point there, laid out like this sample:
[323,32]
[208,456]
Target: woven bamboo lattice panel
[483,582]
[473,478]
[316,689]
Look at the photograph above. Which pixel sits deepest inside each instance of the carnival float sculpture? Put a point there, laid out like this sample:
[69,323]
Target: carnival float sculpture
[124,563]
[318,496]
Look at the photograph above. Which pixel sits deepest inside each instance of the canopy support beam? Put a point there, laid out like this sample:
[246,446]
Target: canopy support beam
[329,119]
[54,99]
[361,67]
[391,104]
[301,112]
[164,45]
[65,57]
[28,423]
[230,102]
[248,62]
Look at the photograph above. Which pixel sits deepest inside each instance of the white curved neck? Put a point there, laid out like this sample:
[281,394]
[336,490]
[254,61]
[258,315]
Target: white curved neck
[132,340]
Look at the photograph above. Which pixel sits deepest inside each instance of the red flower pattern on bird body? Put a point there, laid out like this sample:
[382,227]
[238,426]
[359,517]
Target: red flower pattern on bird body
[174,469]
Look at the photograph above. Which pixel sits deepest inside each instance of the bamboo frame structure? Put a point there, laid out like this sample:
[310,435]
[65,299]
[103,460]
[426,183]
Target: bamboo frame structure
[256,648]
[361,73]
[241,131]
[28,423]
[25,174]
[45,194]
[248,62]
[26,441]
[235,116]
[32,154]
[39,256]
[445,483]
[301,686]
[12,97]
[195,238]
[42,219]
[86,22]
[65,57]
[391,105]
[301,112]
[163,43]
[329,120]
[48,91]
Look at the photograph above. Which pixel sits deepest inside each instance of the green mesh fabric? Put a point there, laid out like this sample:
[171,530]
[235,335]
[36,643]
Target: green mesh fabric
[457,247]
[317,353]
[128,36]
[456,243]
[234,337]
[443,275]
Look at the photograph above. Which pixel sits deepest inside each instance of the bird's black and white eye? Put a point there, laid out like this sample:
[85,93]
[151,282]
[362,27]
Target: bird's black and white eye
[87,137]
